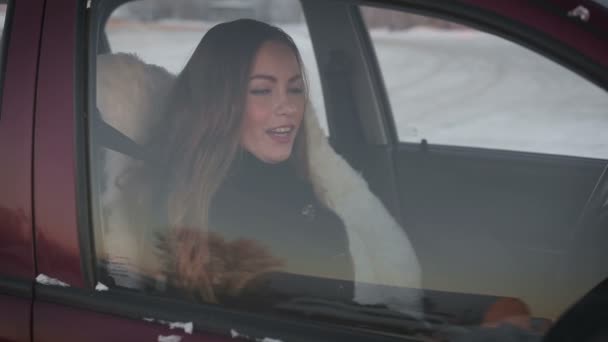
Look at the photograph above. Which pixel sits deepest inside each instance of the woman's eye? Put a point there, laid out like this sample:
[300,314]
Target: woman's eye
[296,90]
[259,91]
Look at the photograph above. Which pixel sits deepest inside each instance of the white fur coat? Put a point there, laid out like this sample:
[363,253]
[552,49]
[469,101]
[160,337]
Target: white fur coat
[127,93]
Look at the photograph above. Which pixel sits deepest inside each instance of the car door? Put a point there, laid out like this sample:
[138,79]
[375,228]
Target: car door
[495,215]
[20,34]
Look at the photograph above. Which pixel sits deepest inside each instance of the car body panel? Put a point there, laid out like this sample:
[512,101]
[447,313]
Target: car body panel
[55,322]
[16,124]
[57,243]
[17,264]
[16,325]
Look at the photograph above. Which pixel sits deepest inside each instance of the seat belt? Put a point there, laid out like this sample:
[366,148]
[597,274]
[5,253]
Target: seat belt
[113,139]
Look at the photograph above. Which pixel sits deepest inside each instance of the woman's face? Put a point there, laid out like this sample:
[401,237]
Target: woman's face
[275,103]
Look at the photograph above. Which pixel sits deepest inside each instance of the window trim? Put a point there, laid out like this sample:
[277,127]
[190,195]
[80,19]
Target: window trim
[83,191]
[206,318]
[498,154]
[15,287]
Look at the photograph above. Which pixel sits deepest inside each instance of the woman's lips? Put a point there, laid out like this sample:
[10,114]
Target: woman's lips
[281,134]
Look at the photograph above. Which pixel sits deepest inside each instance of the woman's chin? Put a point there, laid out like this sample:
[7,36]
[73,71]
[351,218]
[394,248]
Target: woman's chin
[273,157]
[276,159]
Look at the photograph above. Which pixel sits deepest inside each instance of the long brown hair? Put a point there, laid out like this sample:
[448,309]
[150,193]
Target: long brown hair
[204,116]
[198,136]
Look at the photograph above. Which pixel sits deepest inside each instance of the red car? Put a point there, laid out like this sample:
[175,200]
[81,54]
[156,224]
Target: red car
[479,125]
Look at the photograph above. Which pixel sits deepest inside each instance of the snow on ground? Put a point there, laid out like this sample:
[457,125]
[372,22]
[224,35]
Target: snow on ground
[473,89]
[463,87]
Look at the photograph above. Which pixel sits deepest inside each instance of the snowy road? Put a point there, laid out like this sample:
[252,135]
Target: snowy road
[473,89]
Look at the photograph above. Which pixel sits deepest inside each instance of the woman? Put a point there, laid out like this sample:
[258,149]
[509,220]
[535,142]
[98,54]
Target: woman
[240,160]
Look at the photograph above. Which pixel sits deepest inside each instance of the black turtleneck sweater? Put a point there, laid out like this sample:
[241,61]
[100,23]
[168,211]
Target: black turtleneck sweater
[269,204]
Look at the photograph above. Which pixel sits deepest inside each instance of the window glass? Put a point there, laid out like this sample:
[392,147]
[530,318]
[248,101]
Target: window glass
[218,185]
[454,85]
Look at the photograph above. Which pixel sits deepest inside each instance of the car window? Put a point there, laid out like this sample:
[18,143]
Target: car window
[450,84]
[212,180]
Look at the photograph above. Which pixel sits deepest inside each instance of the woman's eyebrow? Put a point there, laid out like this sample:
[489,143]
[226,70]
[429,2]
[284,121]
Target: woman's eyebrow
[274,79]
[264,77]
[295,78]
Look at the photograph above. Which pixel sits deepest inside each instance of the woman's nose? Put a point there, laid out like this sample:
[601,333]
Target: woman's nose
[285,106]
